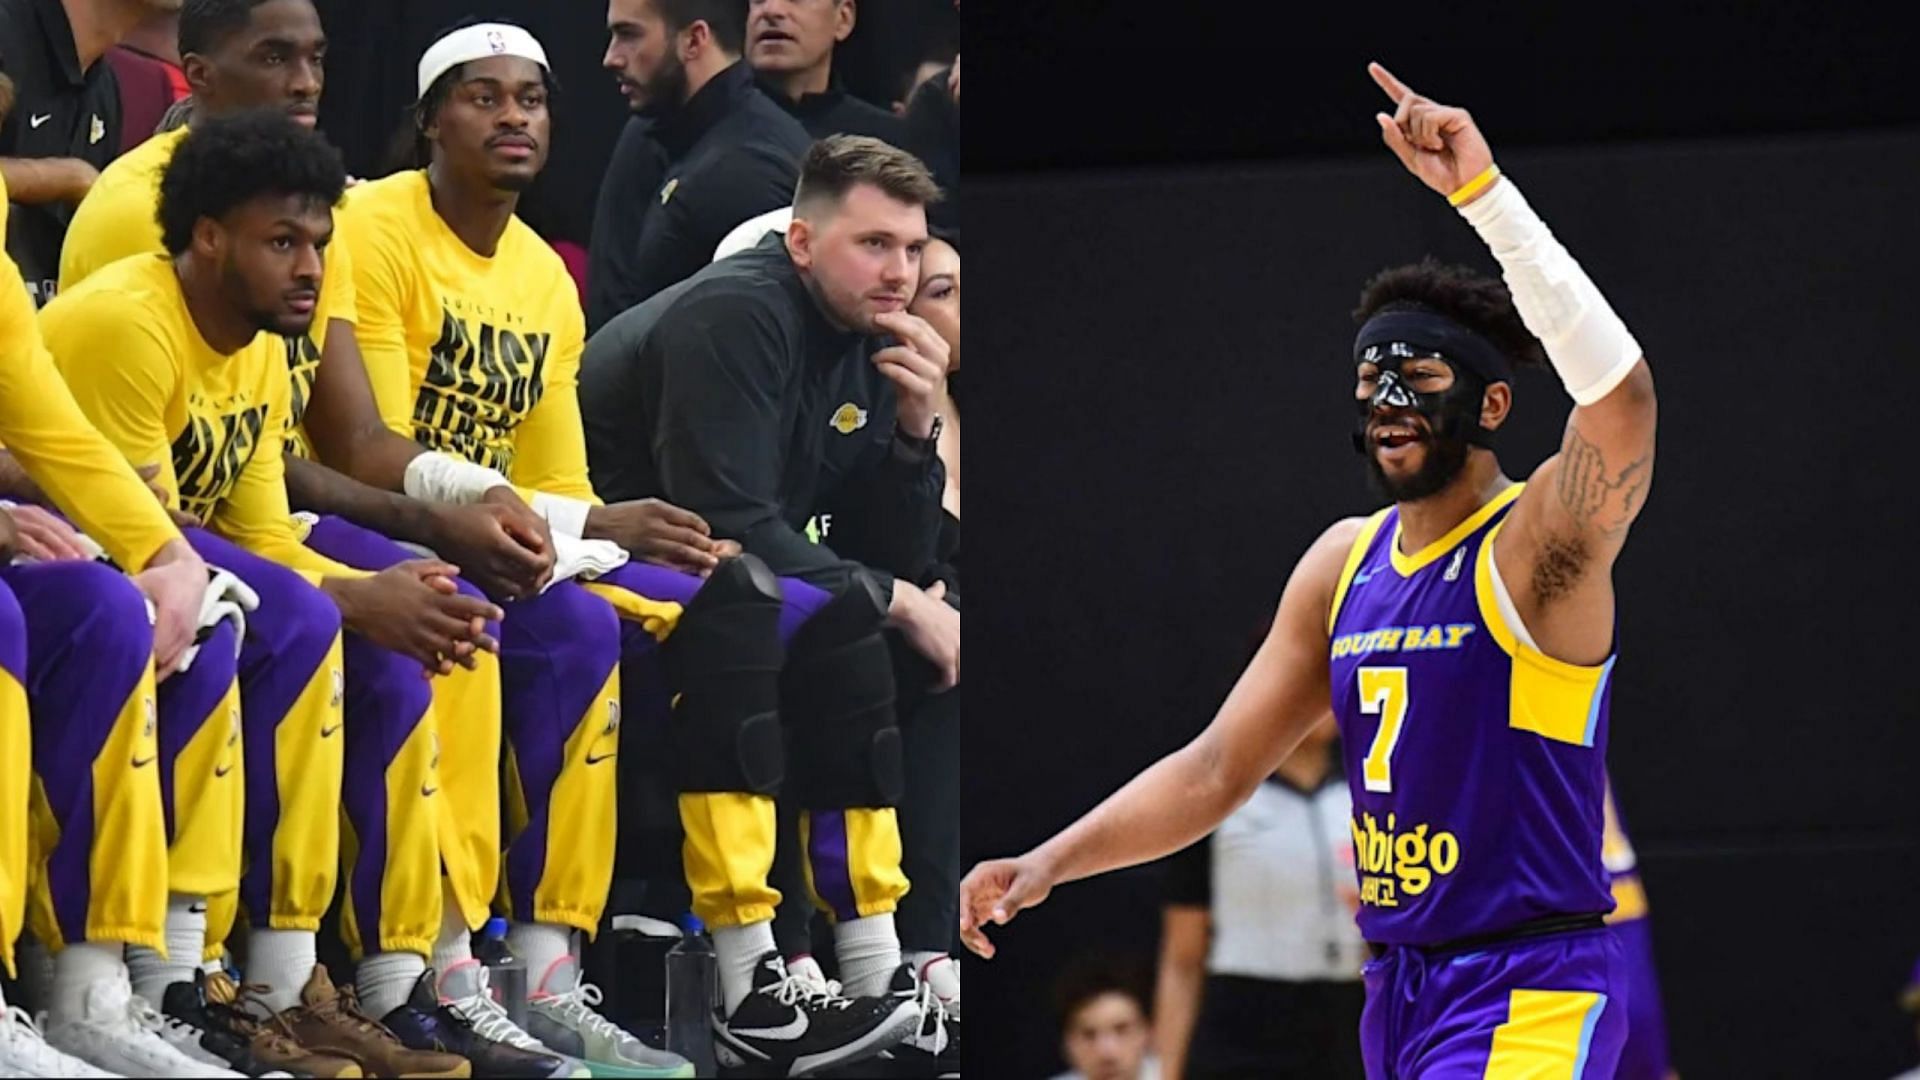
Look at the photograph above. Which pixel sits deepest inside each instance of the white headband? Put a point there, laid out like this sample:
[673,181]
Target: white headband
[478,42]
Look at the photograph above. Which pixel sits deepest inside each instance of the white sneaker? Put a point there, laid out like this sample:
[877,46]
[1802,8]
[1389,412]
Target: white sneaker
[24,1051]
[119,1032]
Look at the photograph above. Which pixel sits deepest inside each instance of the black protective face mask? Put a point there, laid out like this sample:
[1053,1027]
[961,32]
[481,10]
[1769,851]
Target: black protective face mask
[1452,420]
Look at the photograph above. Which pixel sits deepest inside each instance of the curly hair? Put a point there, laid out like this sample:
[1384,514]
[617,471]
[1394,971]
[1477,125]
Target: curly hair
[226,161]
[1472,299]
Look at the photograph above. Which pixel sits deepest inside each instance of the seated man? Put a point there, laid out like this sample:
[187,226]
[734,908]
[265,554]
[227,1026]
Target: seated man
[177,360]
[758,393]
[472,335]
[80,787]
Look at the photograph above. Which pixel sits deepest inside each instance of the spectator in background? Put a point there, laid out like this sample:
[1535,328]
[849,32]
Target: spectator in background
[938,302]
[65,126]
[147,66]
[935,64]
[790,45]
[1106,1029]
[1645,1054]
[933,134]
[1910,1004]
[727,151]
[1259,954]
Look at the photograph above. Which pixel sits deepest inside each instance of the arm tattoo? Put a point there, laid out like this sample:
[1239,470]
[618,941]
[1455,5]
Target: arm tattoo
[1598,497]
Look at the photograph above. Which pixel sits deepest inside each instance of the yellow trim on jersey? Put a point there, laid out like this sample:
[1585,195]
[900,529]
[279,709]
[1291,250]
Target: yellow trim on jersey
[1546,1035]
[1354,556]
[1629,899]
[1548,697]
[1409,564]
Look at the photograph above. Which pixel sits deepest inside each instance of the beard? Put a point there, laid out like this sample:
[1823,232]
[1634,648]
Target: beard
[1444,460]
[666,91]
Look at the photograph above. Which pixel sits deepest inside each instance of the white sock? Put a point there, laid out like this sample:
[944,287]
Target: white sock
[869,954]
[539,945]
[455,942]
[386,980]
[282,961]
[186,941]
[737,951]
[75,969]
[920,958]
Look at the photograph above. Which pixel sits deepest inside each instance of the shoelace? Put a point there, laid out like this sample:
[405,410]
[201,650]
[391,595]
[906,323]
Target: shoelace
[252,1027]
[492,1021]
[22,1038]
[933,1011]
[794,990]
[576,1008]
[345,1005]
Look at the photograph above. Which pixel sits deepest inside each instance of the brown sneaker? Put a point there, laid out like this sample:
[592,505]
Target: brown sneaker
[252,1045]
[328,1021]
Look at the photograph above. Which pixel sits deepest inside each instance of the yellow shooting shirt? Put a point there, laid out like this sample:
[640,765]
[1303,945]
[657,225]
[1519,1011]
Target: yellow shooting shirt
[45,429]
[215,424]
[473,356]
[120,217]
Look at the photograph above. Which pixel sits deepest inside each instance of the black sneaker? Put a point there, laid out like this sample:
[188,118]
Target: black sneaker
[933,1050]
[425,1024]
[185,1007]
[791,1027]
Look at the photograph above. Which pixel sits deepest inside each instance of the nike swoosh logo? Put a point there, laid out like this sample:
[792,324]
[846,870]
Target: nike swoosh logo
[327,732]
[38,120]
[427,792]
[592,760]
[219,772]
[199,908]
[792,1029]
[148,760]
[1362,579]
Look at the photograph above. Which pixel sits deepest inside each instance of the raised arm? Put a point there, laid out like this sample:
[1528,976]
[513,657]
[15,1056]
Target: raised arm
[1558,546]
[1181,797]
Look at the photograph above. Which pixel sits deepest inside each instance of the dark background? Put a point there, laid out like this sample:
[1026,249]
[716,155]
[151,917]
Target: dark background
[1174,215]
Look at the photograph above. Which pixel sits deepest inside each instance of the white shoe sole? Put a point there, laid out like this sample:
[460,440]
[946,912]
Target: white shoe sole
[892,1032]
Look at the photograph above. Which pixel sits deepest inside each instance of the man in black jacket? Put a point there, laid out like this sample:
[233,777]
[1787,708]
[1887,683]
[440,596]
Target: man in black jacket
[790,45]
[720,150]
[764,392]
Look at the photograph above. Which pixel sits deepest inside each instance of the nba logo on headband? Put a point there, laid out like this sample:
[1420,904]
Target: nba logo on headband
[495,42]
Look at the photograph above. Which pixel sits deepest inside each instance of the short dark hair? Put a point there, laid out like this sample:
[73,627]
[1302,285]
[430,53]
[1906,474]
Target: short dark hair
[228,160]
[836,163]
[204,23]
[1472,299]
[727,19]
[1090,976]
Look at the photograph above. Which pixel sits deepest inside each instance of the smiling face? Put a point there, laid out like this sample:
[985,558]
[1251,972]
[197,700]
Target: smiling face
[1417,416]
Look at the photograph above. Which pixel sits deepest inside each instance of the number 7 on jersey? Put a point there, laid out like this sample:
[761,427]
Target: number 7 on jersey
[1383,690]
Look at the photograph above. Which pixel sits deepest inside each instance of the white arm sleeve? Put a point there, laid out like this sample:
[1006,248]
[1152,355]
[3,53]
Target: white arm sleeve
[1589,346]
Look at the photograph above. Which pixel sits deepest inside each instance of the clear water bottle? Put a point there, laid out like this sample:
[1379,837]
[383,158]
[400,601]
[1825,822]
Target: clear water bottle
[506,973]
[692,990]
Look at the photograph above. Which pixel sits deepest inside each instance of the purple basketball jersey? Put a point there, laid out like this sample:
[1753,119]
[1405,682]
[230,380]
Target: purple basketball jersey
[1475,761]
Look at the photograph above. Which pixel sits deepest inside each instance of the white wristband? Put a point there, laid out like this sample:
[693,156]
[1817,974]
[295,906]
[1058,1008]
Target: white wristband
[437,477]
[1589,345]
[563,515]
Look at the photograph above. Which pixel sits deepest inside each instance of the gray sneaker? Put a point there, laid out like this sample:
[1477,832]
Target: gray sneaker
[560,1014]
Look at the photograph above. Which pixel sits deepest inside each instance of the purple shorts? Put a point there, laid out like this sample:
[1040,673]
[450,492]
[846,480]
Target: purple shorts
[1544,1006]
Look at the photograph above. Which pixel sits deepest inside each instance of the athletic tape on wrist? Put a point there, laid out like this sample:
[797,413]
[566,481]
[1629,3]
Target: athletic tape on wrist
[437,477]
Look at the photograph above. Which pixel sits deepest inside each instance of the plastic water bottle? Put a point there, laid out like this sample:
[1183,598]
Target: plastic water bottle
[506,973]
[692,989]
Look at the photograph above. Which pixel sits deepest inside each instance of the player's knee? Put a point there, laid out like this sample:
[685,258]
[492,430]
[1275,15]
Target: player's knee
[13,634]
[838,696]
[568,630]
[383,683]
[101,616]
[295,619]
[723,662]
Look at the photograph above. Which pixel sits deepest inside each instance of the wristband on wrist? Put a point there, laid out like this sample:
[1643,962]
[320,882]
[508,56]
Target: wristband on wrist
[1475,186]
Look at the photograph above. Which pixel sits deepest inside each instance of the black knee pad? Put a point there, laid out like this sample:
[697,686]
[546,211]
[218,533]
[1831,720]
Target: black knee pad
[723,663]
[838,697]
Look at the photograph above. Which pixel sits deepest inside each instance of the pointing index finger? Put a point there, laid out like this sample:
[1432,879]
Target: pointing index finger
[1396,90]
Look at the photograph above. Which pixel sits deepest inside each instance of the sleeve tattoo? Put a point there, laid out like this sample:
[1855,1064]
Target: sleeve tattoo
[1595,494]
